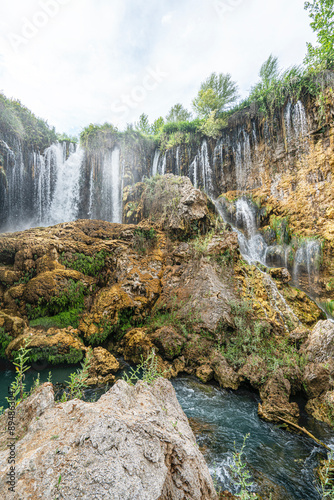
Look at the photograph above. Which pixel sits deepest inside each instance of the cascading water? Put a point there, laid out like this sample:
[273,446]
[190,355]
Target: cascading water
[295,124]
[109,206]
[65,201]
[155,164]
[206,169]
[306,266]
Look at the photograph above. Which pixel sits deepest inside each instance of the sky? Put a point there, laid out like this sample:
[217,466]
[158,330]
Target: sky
[76,62]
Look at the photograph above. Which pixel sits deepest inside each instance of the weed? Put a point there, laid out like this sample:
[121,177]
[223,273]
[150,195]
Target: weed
[144,240]
[241,474]
[90,266]
[147,371]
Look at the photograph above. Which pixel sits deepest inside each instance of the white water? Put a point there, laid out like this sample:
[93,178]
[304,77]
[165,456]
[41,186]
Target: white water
[155,163]
[206,169]
[110,208]
[64,205]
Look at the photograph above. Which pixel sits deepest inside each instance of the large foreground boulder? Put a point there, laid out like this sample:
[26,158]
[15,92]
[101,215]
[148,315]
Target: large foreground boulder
[135,443]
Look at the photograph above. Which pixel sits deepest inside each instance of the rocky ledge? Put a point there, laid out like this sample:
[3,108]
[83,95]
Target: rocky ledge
[134,443]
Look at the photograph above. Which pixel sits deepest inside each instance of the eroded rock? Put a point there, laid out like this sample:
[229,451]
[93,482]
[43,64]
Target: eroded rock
[134,443]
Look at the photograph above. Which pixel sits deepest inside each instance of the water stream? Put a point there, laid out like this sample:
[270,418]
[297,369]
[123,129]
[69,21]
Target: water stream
[221,418]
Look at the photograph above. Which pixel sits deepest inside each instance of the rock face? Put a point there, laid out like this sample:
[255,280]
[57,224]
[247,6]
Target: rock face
[134,443]
[171,201]
[319,371]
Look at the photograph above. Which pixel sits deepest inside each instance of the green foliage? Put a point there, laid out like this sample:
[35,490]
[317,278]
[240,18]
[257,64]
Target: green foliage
[144,240]
[216,94]
[78,380]
[70,298]
[90,266]
[52,355]
[23,124]
[171,317]
[213,125]
[252,337]
[98,136]
[67,138]
[200,244]
[5,340]
[147,371]
[61,320]
[281,227]
[178,114]
[182,126]
[326,475]
[20,362]
[143,125]
[241,474]
[157,126]
[321,56]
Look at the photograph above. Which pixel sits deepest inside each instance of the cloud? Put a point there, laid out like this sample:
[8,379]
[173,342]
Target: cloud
[93,53]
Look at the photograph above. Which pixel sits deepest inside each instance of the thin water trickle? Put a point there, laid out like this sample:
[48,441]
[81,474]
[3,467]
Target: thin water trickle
[155,164]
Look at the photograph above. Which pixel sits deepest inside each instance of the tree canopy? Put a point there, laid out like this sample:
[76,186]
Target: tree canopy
[178,114]
[321,56]
[217,93]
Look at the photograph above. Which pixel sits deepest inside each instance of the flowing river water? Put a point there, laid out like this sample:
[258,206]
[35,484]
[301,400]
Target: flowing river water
[221,418]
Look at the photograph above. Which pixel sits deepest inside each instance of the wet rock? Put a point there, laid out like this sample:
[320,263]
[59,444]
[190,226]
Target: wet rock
[224,374]
[275,396]
[168,341]
[298,336]
[103,366]
[205,373]
[316,380]
[255,371]
[134,443]
[54,345]
[281,274]
[322,408]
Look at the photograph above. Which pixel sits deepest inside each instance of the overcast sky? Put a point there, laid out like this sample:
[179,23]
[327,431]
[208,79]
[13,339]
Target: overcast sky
[75,62]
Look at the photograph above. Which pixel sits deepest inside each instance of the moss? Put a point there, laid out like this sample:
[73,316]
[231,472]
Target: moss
[71,298]
[5,340]
[53,355]
[90,266]
[61,320]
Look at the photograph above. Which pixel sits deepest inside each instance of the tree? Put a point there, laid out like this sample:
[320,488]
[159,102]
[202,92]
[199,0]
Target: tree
[157,125]
[269,70]
[215,94]
[321,56]
[178,114]
[143,125]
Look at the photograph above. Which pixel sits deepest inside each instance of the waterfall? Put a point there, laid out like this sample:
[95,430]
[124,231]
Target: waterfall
[178,160]
[299,120]
[306,266]
[155,162]
[64,205]
[193,171]
[252,244]
[163,167]
[206,169]
[110,202]
[254,250]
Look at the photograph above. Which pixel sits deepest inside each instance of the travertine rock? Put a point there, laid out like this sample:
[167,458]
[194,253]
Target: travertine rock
[135,443]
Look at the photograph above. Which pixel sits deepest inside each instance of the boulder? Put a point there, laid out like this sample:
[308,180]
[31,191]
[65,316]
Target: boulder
[168,341]
[319,346]
[53,346]
[103,366]
[224,374]
[275,396]
[134,443]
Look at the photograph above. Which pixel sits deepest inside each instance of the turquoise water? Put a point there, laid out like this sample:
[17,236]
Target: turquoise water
[286,459]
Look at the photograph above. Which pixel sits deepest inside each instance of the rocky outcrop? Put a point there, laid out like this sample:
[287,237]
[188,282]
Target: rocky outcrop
[102,368]
[170,201]
[319,371]
[134,443]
